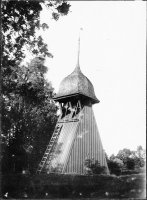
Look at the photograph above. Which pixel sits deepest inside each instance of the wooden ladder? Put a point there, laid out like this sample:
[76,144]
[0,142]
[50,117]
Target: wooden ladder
[49,148]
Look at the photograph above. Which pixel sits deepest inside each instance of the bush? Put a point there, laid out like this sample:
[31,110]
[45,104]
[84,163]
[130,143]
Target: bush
[114,167]
[92,167]
[130,163]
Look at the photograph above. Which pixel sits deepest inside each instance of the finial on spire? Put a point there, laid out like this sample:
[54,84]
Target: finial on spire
[78,63]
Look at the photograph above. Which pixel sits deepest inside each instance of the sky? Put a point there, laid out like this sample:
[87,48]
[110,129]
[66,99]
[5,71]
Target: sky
[112,56]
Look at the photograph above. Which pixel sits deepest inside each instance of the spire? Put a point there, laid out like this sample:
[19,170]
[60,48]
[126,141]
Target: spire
[76,83]
[78,63]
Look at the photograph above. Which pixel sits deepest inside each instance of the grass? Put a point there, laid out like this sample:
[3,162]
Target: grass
[67,186]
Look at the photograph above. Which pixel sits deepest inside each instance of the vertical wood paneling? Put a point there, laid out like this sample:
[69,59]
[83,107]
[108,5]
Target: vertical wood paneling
[80,139]
[87,142]
[66,138]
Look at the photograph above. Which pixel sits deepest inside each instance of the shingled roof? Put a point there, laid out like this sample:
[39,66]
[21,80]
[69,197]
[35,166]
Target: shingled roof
[76,84]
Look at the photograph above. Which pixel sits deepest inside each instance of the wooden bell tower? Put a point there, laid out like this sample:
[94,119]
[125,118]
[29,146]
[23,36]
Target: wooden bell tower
[76,135]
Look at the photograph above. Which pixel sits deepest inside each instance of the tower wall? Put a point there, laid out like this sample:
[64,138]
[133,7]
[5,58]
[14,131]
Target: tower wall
[86,144]
[79,139]
[61,148]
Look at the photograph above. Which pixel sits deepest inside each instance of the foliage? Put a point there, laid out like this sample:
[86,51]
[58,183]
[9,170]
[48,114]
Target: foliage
[114,167]
[129,163]
[29,116]
[126,160]
[20,20]
[139,156]
[123,154]
[132,159]
[92,167]
[28,112]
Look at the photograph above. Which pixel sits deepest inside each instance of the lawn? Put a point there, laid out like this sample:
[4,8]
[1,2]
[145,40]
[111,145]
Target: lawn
[67,186]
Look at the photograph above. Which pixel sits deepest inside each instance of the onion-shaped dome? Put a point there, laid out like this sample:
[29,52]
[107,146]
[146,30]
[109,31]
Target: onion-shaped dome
[76,84]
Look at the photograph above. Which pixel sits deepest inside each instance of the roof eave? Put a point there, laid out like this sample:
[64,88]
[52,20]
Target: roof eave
[57,98]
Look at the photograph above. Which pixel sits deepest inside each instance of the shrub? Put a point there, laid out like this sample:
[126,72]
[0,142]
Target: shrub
[114,167]
[130,163]
[92,167]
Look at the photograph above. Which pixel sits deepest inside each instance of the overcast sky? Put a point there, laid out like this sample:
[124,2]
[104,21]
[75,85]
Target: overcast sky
[113,57]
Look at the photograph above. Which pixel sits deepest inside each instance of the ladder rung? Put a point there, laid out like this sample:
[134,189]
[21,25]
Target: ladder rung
[46,152]
[48,149]
[50,154]
[53,137]
[43,161]
[48,164]
[49,146]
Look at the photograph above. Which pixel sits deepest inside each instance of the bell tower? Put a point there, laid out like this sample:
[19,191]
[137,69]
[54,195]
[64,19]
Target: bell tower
[76,135]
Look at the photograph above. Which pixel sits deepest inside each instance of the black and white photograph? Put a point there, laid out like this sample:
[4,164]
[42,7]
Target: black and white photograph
[73,99]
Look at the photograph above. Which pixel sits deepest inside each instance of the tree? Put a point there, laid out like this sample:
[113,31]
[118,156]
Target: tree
[112,157]
[31,115]
[130,163]
[132,159]
[20,20]
[28,112]
[139,156]
[123,154]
